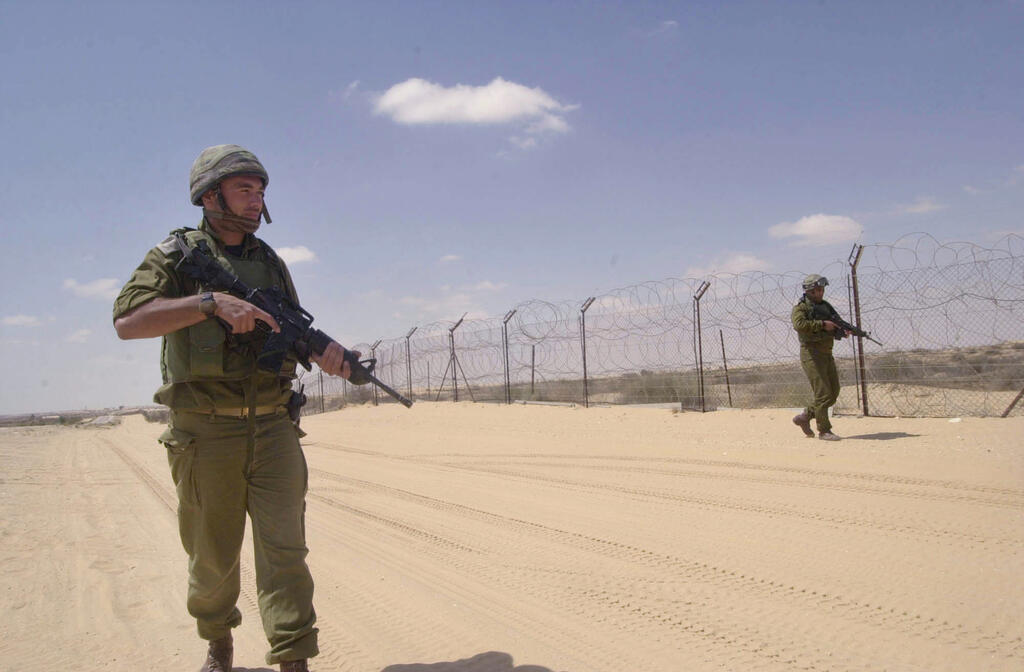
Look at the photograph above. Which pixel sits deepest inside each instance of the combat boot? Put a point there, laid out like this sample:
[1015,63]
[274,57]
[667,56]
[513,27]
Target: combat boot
[828,436]
[219,655]
[294,666]
[803,421]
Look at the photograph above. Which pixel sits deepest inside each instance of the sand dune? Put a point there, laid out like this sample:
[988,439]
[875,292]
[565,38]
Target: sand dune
[481,538]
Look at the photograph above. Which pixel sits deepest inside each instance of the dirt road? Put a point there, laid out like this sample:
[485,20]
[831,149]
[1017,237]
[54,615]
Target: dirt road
[481,538]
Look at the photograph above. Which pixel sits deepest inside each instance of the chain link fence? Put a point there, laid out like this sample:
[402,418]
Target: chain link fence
[950,316]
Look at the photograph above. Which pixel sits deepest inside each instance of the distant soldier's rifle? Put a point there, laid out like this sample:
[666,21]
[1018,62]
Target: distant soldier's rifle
[296,335]
[847,328]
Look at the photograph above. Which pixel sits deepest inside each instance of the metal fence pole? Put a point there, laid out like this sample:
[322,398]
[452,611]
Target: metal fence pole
[725,365]
[453,363]
[1012,404]
[533,367]
[373,355]
[320,375]
[699,342]
[853,343]
[408,360]
[854,259]
[583,340]
[504,339]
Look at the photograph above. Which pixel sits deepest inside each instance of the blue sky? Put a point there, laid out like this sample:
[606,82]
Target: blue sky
[433,158]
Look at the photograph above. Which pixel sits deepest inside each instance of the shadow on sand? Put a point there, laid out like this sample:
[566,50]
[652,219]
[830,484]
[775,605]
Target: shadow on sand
[883,436]
[492,661]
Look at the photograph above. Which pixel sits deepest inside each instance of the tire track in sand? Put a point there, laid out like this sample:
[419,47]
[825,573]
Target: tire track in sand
[877,616]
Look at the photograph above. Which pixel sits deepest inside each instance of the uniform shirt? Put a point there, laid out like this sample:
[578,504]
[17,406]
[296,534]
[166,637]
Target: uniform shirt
[156,277]
[808,320]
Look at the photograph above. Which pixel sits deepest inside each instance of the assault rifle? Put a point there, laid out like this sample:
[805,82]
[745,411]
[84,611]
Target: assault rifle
[846,328]
[296,335]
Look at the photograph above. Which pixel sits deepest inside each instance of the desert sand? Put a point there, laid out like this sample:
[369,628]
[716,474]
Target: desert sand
[486,538]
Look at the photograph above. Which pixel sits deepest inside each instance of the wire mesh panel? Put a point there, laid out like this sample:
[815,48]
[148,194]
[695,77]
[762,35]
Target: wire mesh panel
[951,317]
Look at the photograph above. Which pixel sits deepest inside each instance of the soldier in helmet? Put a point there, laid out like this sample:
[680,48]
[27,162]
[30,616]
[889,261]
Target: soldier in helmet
[812,319]
[232,446]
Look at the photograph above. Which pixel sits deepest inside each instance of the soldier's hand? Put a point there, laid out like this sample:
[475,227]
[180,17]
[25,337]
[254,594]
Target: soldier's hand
[830,325]
[241,315]
[332,361]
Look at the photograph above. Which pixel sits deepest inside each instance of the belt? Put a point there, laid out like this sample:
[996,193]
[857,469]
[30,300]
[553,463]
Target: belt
[241,412]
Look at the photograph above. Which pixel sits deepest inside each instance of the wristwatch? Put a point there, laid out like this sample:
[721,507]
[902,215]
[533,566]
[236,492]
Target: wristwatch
[207,305]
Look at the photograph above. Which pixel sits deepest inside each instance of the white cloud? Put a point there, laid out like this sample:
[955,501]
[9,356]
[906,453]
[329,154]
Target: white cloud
[104,289]
[449,258]
[739,262]
[818,230]
[419,102]
[665,27]
[922,206]
[350,89]
[22,321]
[80,336]
[523,143]
[488,286]
[296,255]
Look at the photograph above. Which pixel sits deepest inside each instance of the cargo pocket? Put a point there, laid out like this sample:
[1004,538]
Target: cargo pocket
[206,349]
[181,457]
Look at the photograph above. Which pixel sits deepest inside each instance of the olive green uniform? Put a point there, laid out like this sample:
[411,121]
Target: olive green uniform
[816,357]
[233,450]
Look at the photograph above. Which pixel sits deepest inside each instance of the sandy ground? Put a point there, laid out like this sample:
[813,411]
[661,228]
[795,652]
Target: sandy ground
[482,538]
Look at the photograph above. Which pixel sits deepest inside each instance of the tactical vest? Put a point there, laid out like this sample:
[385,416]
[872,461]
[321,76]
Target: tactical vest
[819,340]
[205,351]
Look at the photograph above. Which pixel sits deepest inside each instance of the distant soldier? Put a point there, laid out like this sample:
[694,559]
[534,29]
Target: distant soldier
[812,318]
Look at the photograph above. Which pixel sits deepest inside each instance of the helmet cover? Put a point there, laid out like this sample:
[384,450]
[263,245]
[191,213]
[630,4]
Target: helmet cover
[218,162]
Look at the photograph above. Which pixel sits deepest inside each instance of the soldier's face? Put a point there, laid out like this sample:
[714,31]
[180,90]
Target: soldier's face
[243,195]
[816,294]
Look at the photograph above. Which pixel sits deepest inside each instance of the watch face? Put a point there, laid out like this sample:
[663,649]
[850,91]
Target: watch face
[207,305]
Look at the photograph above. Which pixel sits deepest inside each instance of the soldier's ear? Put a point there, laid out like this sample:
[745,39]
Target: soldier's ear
[209,198]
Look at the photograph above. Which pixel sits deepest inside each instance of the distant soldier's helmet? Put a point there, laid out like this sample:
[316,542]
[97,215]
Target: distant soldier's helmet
[814,280]
[218,162]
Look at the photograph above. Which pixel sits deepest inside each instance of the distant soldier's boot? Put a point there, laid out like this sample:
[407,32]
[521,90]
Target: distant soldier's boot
[219,655]
[294,666]
[803,421]
[828,436]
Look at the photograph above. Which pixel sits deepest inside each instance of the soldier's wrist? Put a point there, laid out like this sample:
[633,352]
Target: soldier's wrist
[207,304]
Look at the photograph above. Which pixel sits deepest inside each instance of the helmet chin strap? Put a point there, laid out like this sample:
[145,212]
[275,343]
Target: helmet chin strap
[232,222]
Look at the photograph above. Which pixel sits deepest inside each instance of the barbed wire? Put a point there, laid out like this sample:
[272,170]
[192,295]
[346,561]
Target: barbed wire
[950,315]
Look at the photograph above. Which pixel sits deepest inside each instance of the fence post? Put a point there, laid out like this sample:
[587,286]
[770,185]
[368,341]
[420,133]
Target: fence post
[453,364]
[854,259]
[725,365]
[853,343]
[320,375]
[698,342]
[583,340]
[504,339]
[1012,404]
[373,355]
[533,367]
[408,361]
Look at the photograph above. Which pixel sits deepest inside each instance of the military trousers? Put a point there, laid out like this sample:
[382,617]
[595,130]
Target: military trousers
[820,368]
[225,468]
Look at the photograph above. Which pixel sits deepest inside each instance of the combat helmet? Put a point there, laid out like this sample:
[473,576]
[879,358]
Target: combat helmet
[814,280]
[219,162]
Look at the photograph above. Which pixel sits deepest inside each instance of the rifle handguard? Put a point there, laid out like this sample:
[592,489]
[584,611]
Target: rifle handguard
[361,370]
